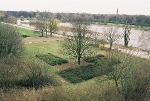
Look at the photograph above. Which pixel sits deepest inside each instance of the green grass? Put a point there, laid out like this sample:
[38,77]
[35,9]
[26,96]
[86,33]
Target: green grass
[27,32]
[53,47]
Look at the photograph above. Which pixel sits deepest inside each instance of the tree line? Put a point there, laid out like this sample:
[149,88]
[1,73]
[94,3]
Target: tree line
[138,20]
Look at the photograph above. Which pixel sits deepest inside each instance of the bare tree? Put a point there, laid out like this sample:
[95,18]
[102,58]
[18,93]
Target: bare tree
[144,41]
[111,35]
[39,25]
[118,68]
[77,44]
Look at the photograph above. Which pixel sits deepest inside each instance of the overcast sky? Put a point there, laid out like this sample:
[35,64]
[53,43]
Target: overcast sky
[75,6]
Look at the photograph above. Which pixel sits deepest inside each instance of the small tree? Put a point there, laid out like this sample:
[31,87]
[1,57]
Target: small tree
[77,43]
[123,74]
[118,68]
[111,35]
[126,33]
[52,24]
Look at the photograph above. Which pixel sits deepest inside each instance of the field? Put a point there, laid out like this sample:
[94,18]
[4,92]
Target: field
[89,88]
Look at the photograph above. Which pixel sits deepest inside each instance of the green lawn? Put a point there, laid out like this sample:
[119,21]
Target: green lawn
[27,32]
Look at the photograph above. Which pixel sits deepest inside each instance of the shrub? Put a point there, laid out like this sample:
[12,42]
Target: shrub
[51,59]
[34,76]
[102,47]
[24,36]
[10,41]
[40,81]
[9,71]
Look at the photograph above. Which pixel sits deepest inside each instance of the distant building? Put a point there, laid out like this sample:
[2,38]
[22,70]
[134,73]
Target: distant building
[22,21]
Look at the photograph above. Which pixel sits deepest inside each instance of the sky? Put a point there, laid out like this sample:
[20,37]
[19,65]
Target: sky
[130,7]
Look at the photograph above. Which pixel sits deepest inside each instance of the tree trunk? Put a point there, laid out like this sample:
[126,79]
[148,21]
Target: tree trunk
[42,33]
[46,32]
[116,83]
[110,45]
[78,60]
[50,34]
[125,40]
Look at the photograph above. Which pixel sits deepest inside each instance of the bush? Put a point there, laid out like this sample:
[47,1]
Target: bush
[51,59]
[34,76]
[10,71]
[10,41]
[24,36]
[41,81]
